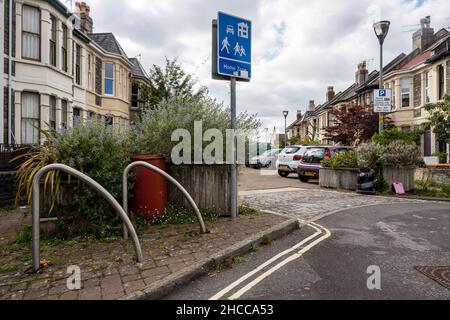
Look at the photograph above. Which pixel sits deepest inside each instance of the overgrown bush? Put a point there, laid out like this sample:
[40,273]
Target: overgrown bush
[442,157]
[344,160]
[154,134]
[102,154]
[370,155]
[400,154]
[95,150]
[388,136]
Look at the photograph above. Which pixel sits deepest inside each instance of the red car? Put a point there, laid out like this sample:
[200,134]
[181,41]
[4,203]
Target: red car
[309,167]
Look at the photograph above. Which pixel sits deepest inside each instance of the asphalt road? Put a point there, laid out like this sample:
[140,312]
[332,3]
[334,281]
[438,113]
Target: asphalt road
[253,179]
[332,262]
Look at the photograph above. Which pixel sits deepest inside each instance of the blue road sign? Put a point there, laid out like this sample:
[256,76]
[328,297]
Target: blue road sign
[234,46]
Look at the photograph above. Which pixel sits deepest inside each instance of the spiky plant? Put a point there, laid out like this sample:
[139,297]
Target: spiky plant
[33,161]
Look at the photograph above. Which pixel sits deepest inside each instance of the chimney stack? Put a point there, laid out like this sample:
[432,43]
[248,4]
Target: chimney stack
[299,114]
[423,37]
[312,105]
[330,93]
[362,74]
[83,11]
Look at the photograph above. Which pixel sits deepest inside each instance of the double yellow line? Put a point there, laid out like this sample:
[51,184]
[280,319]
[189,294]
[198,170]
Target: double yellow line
[321,234]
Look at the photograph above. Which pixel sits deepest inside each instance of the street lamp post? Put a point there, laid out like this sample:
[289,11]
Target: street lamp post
[285,114]
[381,30]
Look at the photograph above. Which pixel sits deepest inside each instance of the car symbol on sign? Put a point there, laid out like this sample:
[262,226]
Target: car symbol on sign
[230,29]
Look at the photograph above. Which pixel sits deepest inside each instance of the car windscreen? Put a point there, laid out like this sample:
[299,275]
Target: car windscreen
[314,155]
[291,150]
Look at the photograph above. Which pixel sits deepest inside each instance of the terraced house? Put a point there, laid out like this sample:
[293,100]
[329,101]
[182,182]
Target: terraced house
[417,78]
[423,78]
[62,72]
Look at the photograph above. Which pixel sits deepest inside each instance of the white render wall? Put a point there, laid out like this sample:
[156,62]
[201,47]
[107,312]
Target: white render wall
[2,77]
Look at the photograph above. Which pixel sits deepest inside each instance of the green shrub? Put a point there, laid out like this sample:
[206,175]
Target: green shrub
[98,152]
[401,154]
[386,137]
[370,155]
[442,157]
[154,134]
[102,154]
[343,160]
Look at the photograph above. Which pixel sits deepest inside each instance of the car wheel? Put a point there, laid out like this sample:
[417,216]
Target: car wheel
[304,179]
[269,164]
[283,174]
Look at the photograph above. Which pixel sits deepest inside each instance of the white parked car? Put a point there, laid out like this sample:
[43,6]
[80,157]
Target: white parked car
[290,158]
[266,160]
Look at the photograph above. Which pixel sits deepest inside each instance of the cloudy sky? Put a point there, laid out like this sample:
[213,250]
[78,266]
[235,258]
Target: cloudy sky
[300,46]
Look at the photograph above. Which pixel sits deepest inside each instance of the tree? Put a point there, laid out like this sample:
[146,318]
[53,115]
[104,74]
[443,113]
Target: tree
[440,118]
[170,82]
[353,125]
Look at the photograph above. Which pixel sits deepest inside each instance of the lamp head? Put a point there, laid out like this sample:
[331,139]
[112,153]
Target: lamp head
[285,113]
[381,30]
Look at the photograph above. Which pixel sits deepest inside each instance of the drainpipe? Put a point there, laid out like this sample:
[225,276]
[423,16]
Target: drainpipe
[10,41]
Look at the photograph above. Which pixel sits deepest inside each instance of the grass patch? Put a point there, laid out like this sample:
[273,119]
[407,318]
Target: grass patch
[228,263]
[8,210]
[178,217]
[254,248]
[245,210]
[267,240]
[9,267]
[435,191]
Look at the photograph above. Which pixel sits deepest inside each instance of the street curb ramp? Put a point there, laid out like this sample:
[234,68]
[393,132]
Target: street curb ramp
[163,287]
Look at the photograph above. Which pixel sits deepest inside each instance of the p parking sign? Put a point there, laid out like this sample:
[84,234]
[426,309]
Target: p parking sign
[382,101]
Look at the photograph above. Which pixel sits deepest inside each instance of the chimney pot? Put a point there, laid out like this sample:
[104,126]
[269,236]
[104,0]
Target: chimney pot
[312,105]
[83,11]
[330,93]
[362,74]
[423,37]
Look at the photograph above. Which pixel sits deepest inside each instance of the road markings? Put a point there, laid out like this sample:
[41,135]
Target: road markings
[320,230]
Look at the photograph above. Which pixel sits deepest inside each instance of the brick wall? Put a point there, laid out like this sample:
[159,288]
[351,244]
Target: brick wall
[441,175]
[417,90]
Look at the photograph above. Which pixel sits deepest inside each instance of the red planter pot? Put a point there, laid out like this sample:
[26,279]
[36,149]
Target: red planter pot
[150,188]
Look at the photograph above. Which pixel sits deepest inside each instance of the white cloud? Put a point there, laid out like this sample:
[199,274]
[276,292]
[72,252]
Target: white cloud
[300,47]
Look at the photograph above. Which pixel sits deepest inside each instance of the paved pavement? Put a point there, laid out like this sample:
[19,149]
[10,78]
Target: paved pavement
[331,258]
[252,179]
[311,205]
[109,270]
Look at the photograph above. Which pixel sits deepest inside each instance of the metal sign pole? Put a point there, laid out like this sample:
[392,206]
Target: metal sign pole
[381,87]
[233,187]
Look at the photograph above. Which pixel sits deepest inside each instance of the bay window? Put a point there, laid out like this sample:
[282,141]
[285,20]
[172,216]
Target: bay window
[31,33]
[78,64]
[394,95]
[405,85]
[30,118]
[135,95]
[64,114]
[53,41]
[76,116]
[109,78]
[109,122]
[52,113]
[441,87]
[89,72]
[64,47]
[427,87]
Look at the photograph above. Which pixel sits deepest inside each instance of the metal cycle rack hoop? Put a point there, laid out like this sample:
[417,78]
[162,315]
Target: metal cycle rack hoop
[108,197]
[168,177]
